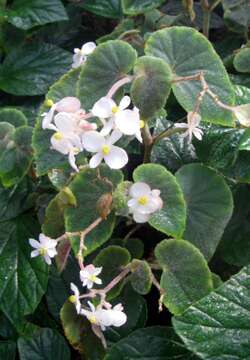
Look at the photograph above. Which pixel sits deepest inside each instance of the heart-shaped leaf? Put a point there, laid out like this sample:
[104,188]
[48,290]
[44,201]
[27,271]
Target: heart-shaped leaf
[242,60]
[209,206]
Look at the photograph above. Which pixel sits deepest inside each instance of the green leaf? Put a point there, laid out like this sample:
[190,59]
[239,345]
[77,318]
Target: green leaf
[217,326]
[171,218]
[13,116]
[8,350]
[46,158]
[234,247]
[174,151]
[135,307]
[105,8]
[23,280]
[15,161]
[79,334]
[151,86]
[242,60]
[141,278]
[53,225]
[112,259]
[109,63]
[186,277]
[177,46]
[136,7]
[6,135]
[152,343]
[244,143]
[209,206]
[48,344]
[25,14]
[98,182]
[32,68]
[237,14]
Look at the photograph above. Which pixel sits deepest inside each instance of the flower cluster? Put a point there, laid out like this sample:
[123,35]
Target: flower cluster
[45,247]
[192,126]
[73,133]
[80,55]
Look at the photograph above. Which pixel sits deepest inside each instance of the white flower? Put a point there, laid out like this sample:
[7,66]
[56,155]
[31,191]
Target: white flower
[68,104]
[193,121]
[126,120]
[143,202]
[66,139]
[74,299]
[104,318]
[45,247]
[89,277]
[80,55]
[242,113]
[114,156]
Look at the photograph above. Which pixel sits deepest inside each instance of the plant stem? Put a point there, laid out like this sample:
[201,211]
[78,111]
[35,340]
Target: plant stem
[214,5]
[118,84]
[132,231]
[206,17]
[148,143]
[167,133]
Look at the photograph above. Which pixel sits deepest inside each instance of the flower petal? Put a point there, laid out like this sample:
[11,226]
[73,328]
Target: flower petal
[125,102]
[88,48]
[65,123]
[63,145]
[95,160]
[139,189]
[34,243]
[78,59]
[93,141]
[69,104]
[128,122]
[72,160]
[107,127]
[103,107]
[140,218]
[34,253]
[47,259]
[114,137]
[117,158]
[48,117]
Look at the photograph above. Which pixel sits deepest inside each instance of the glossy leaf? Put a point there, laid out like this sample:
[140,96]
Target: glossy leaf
[109,63]
[242,60]
[141,278]
[98,182]
[48,344]
[25,14]
[151,86]
[23,280]
[14,117]
[46,158]
[31,69]
[186,277]
[209,206]
[217,326]
[171,218]
[152,343]
[177,46]
[112,259]
[136,7]
[106,8]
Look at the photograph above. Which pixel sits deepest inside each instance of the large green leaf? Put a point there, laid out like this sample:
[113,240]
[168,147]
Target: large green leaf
[171,218]
[209,206]
[7,350]
[107,64]
[218,326]
[48,344]
[23,280]
[188,53]
[106,8]
[152,343]
[13,116]
[98,183]
[15,161]
[26,14]
[186,277]
[151,86]
[136,7]
[47,159]
[31,69]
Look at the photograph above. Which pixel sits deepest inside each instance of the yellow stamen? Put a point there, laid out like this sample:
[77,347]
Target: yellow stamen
[142,124]
[76,151]
[115,109]
[143,200]
[42,251]
[106,149]
[48,102]
[58,136]
[92,278]
[72,299]
[93,319]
